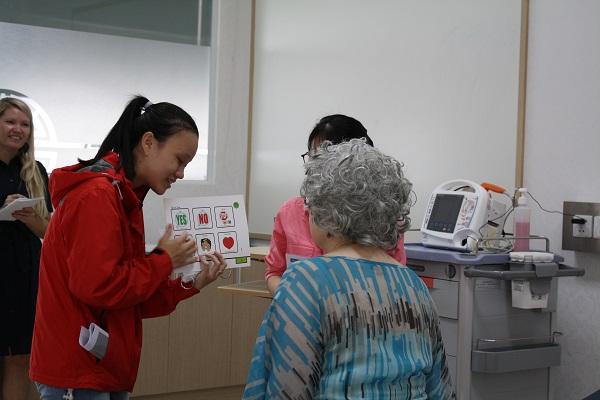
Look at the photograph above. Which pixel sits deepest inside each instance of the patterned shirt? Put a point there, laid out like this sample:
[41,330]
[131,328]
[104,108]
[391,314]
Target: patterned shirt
[344,328]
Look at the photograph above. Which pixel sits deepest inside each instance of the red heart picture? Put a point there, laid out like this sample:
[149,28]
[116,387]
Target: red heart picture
[228,242]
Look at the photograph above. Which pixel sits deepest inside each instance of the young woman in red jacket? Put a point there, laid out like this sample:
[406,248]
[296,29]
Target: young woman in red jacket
[94,268]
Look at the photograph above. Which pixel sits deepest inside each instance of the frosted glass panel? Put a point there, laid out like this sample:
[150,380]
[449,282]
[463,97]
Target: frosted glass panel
[82,81]
[174,21]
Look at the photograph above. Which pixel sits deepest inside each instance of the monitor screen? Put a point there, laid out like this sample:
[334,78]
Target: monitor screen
[444,213]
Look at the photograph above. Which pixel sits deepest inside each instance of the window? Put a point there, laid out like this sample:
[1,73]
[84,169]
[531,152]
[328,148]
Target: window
[80,62]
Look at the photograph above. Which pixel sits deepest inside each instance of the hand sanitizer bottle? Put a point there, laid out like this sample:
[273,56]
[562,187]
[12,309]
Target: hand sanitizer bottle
[522,221]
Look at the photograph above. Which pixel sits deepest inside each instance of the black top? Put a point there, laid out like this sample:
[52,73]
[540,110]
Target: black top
[18,245]
[20,256]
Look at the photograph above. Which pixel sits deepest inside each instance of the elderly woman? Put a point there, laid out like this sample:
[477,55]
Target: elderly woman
[353,323]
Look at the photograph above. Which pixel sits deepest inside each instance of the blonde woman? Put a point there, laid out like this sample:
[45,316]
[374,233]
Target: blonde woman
[20,176]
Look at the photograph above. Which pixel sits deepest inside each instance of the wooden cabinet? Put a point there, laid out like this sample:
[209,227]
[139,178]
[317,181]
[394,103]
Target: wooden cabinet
[248,313]
[199,342]
[206,343]
[152,375]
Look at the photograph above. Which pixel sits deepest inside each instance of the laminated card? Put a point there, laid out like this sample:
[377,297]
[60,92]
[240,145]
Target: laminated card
[216,223]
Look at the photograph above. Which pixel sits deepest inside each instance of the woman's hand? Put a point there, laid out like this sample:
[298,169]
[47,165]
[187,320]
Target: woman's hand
[272,283]
[213,265]
[10,198]
[26,215]
[32,220]
[182,249]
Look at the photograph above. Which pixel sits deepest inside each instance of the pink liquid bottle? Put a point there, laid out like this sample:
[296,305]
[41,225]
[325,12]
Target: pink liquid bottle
[522,222]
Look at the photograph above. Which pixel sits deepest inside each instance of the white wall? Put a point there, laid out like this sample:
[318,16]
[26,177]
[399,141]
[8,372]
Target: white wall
[562,164]
[435,83]
[228,117]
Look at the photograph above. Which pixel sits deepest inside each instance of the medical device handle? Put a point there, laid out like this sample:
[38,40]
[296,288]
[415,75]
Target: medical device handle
[455,184]
[561,271]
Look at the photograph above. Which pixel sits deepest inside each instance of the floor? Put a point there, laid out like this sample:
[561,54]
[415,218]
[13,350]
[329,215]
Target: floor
[227,393]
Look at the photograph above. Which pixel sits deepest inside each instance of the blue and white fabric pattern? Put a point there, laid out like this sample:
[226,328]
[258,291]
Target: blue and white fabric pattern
[344,328]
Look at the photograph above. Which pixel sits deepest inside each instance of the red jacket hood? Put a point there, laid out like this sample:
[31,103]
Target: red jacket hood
[64,180]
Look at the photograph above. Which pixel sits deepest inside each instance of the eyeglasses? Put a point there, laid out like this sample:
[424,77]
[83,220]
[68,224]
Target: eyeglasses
[305,156]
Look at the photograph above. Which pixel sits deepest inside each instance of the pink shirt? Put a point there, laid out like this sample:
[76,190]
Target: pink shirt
[291,238]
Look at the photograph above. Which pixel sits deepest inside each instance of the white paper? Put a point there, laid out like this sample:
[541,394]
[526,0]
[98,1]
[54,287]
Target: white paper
[94,339]
[19,204]
[216,223]
[531,256]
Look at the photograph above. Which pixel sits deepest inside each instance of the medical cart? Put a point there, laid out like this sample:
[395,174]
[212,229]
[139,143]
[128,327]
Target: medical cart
[495,351]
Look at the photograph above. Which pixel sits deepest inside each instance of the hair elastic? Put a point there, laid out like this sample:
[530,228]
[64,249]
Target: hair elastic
[146,106]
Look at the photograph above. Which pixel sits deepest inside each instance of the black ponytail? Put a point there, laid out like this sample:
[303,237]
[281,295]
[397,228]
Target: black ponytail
[138,117]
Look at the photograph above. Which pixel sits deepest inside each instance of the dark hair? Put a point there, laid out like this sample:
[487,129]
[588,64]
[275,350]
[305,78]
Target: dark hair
[338,128]
[138,117]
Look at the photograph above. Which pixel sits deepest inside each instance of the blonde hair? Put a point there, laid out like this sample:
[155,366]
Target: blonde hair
[30,172]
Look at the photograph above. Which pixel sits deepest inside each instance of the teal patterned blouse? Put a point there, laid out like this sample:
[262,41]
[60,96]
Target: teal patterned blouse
[344,328]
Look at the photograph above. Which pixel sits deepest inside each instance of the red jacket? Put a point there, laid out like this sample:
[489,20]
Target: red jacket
[94,269]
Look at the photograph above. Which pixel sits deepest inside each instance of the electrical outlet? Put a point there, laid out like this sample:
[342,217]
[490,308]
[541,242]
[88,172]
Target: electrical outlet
[596,234]
[590,244]
[584,230]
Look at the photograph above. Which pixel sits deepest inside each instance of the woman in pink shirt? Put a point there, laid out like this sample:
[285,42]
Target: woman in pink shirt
[291,239]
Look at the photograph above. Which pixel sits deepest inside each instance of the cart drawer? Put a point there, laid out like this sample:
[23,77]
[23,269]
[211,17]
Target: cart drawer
[449,328]
[445,296]
[515,359]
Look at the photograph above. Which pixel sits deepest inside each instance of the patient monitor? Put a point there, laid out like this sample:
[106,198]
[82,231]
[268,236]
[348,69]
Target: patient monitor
[456,215]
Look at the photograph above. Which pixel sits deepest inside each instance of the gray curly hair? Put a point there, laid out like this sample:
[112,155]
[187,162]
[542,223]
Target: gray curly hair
[353,190]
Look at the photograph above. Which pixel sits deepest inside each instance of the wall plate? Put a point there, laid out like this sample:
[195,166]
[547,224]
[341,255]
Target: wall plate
[584,230]
[569,242]
[596,232]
